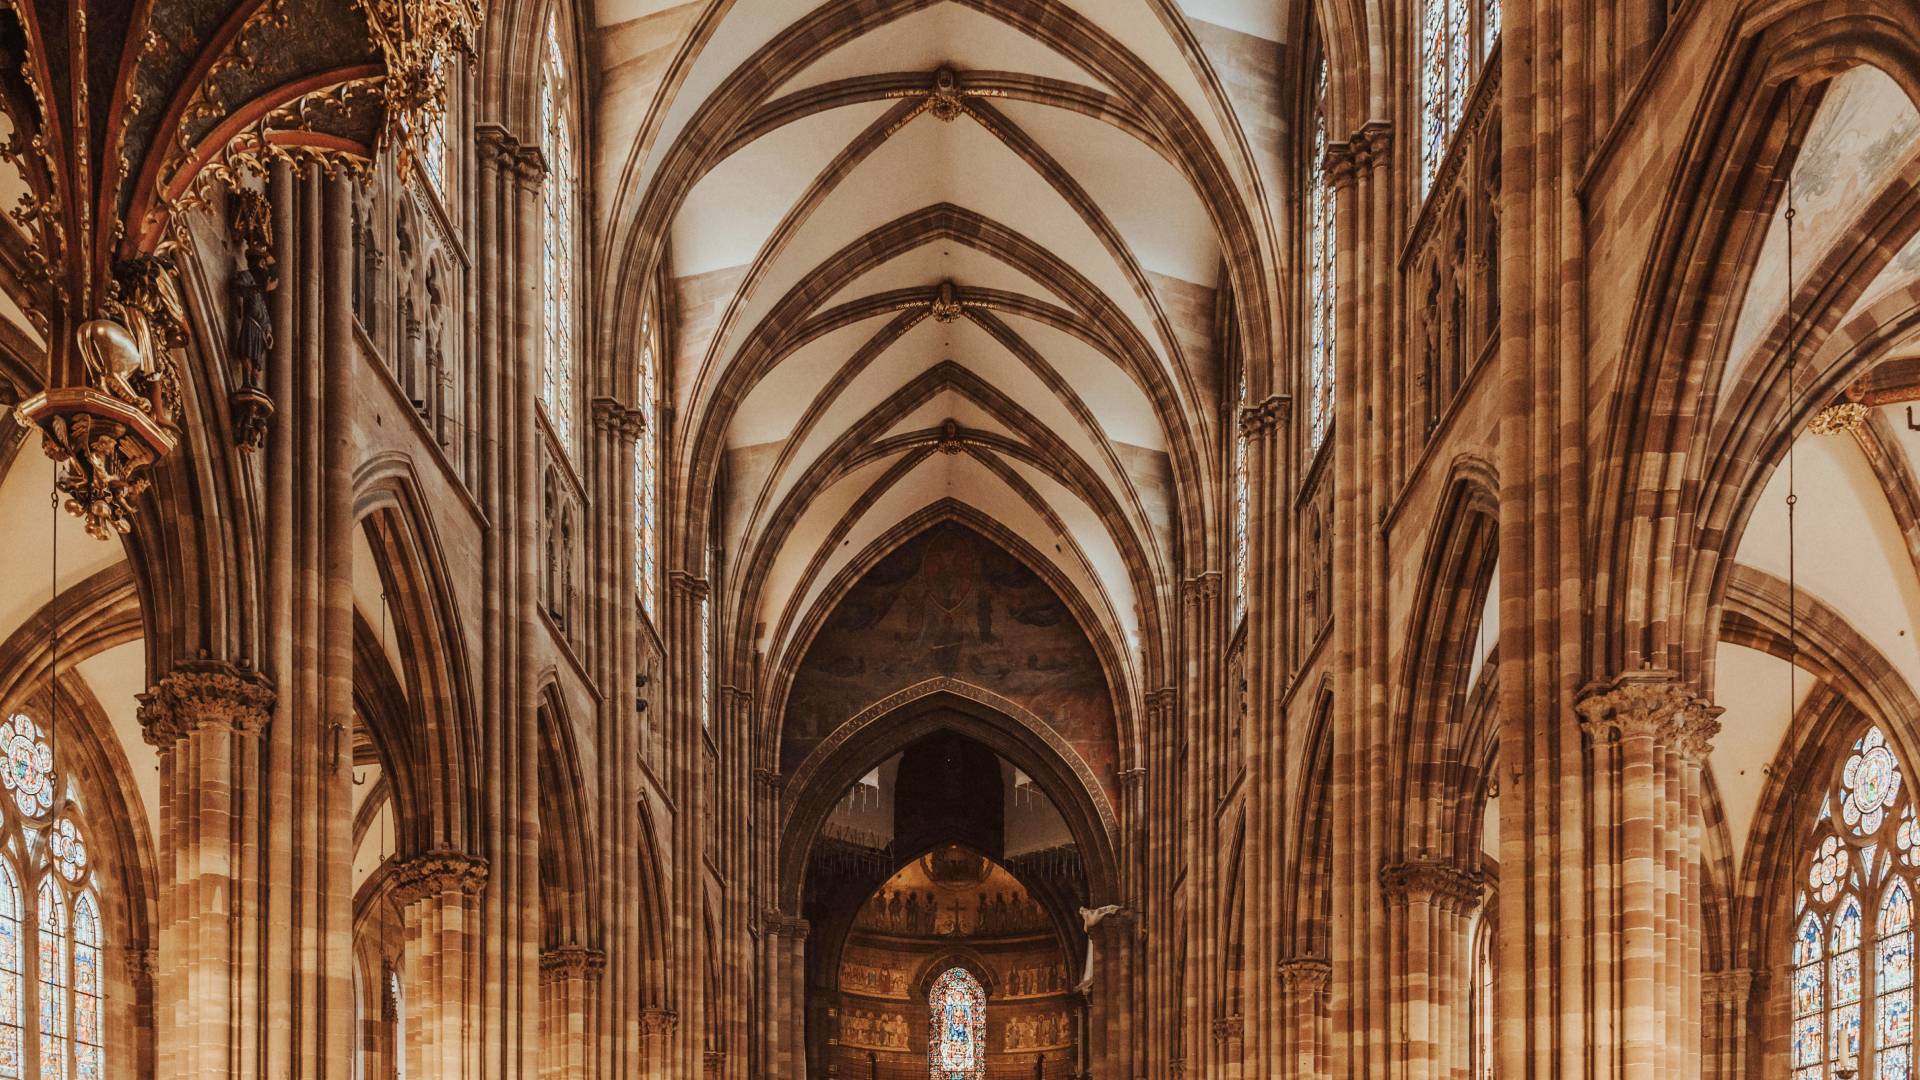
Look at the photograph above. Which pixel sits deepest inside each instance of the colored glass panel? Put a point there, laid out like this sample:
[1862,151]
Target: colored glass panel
[957,1025]
[1870,783]
[52,982]
[27,771]
[1322,281]
[88,1045]
[562,197]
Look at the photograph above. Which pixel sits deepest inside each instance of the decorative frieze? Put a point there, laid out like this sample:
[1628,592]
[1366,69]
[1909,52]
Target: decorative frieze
[205,694]
[437,872]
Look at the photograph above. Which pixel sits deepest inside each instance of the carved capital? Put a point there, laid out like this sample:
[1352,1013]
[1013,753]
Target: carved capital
[1204,587]
[775,923]
[1301,975]
[1165,699]
[1260,420]
[495,146]
[1228,1029]
[205,694]
[139,964]
[714,1060]
[437,873]
[1130,779]
[685,584]
[1373,144]
[1652,704]
[1432,881]
[1341,164]
[656,1022]
[572,962]
[771,779]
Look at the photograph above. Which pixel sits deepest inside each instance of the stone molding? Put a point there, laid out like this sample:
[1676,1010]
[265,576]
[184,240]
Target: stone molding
[205,694]
[1261,419]
[1433,881]
[1651,704]
[779,924]
[437,872]
[616,417]
[1303,974]
[685,584]
[659,1022]
[1727,987]
[1373,143]
[572,962]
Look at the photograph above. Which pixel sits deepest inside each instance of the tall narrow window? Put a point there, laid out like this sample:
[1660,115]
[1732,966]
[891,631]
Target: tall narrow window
[1449,55]
[646,476]
[13,976]
[1241,502]
[399,1040]
[53,982]
[1322,284]
[956,1027]
[706,649]
[1852,996]
[1490,28]
[562,194]
[87,1049]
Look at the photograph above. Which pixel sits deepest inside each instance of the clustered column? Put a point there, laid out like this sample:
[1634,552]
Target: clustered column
[1431,906]
[570,978]
[206,720]
[1646,735]
[440,893]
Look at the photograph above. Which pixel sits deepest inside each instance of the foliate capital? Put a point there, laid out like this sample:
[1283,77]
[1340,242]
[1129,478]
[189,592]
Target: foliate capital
[693,588]
[655,1021]
[1652,703]
[1204,587]
[1373,143]
[1304,974]
[1433,881]
[205,694]
[1341,164]
[437,873]
[1228,1029]
[572,962]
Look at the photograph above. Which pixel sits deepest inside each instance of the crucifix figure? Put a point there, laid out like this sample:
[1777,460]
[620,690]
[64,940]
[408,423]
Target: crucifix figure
[1090,918]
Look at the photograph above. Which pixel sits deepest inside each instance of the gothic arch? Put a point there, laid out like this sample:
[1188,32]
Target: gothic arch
[891,724]
[1436,770]
[442,741]
[570,912]
[1657,439]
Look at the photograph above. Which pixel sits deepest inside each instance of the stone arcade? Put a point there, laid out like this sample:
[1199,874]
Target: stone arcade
[959,539]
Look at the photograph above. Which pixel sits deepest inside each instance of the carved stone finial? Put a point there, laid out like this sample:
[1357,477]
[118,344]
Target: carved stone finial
[205,694]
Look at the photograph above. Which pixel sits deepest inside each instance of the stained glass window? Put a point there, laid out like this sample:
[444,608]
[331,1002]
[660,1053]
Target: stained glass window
[1241,507]
[1449,55]
[1852,990]
[1322,284]
[52,982]
[957,1027]
[557,264]
[13,982]
[87,1047]
[646,476]
[706,650]
[27,772]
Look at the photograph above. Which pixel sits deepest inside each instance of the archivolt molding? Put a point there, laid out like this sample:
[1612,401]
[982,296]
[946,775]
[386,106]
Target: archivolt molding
[803,777]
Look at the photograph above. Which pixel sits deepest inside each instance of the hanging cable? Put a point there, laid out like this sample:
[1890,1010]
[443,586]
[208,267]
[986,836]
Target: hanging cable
[53,642]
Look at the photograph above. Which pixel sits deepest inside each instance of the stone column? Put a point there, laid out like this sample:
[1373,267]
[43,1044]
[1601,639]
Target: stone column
[1725,998]
[569,1000]
[205,719]
[1431,905]
[1647,734]
[785,941]
[440,893]
[1303,989]
[1265,736]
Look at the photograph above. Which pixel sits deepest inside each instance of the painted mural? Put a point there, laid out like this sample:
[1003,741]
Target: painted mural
[952,603]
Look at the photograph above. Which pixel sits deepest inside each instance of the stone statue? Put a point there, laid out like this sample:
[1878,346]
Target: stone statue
[1090,918]
[252,326]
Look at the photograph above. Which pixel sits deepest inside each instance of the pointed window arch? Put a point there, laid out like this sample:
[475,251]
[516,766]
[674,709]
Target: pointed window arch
[957,1027]
[557,256]
[1853,934]
[646,474]
[1322,283]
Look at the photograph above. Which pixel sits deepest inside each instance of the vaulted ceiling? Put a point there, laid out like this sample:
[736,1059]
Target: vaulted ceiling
[946,258]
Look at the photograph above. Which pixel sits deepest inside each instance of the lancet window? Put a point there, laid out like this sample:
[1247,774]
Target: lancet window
[1852,981]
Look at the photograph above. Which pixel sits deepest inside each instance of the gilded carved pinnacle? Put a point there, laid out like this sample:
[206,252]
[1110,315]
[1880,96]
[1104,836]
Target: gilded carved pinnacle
[1845,417]
[439,872]
[1433,881]
[205,694]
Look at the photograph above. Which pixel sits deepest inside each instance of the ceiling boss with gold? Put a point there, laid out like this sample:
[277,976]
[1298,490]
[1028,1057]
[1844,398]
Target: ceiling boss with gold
[126,116]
